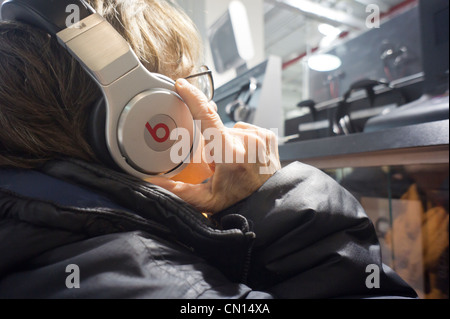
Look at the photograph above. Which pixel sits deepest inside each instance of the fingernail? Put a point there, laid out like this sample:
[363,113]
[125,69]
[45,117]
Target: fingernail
[181,82]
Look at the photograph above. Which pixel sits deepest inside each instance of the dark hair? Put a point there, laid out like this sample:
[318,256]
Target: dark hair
[44,97]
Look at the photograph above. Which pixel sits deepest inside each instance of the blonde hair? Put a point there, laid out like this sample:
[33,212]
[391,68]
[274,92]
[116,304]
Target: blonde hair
[160,33]
[45,95]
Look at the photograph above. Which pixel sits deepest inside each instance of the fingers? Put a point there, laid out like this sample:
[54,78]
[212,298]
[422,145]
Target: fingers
[246,126]
[267,147]
[270,138]
[233,157]
[200,107]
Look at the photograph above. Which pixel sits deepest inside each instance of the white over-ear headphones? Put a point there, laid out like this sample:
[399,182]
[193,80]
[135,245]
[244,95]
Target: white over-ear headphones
[141,109]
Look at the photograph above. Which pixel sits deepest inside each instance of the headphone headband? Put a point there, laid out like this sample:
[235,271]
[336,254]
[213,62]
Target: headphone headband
[48,15]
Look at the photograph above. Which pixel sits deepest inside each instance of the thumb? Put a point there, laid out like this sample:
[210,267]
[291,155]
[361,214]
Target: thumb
[201,109]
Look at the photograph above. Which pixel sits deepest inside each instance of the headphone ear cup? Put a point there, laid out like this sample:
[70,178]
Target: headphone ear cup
[342,122]
[339,114]
[96,134]
[346,125]
[242,113]
[231,109]
[238,111]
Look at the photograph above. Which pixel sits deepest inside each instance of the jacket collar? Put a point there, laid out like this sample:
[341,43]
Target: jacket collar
[87,200]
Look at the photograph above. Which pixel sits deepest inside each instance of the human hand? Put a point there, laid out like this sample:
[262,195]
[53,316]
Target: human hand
[232,179]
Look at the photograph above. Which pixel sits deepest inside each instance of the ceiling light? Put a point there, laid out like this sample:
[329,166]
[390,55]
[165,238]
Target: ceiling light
[319,11]
[241,27]
[328,30]
[324,62]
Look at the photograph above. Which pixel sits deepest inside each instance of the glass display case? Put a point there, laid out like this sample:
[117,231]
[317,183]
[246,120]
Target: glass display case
[401,178]
[409,208]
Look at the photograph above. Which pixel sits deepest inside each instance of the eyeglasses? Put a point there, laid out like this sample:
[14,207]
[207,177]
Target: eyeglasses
[204,81]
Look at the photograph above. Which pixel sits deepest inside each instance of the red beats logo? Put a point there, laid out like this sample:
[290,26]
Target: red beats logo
[154,132]
[157,132]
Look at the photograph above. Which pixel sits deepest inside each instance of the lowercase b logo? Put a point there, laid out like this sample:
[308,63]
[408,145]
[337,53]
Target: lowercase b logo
[157,132]
[154,132]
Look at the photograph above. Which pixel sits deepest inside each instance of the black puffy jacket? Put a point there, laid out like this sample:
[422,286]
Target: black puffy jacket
[301,235]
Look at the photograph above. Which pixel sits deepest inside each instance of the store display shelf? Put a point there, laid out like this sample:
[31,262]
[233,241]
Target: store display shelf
[417,144]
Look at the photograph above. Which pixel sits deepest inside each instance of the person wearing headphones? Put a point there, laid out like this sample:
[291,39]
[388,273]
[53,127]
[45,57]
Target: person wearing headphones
[73,225]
